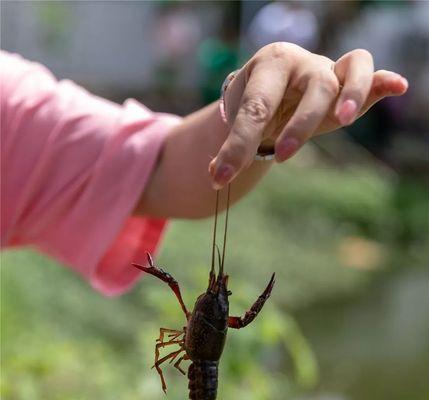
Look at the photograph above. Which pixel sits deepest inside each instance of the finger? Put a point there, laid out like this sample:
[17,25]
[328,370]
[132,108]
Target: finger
[384,84]
[311,111]
[355,72]
[262,95]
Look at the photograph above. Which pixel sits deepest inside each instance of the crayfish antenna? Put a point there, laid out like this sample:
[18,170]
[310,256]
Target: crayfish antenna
[212,277]
[218,257]
[214,234]
[215,248]
[225,231]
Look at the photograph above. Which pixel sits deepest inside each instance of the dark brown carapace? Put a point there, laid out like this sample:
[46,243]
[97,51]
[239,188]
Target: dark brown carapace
[203,338]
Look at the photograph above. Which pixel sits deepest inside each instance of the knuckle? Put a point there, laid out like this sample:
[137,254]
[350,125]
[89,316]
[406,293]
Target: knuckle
[354,93]
[278,49]
[328,82]
[303,121]
[257,110]
[362,53]
[305,117]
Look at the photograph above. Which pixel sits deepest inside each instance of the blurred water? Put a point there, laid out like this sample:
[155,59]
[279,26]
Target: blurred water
[376,346]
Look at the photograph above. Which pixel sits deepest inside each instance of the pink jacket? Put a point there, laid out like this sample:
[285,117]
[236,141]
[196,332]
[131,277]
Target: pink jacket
[73,166]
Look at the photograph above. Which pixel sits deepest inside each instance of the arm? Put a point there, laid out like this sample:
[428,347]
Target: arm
[283,96]
[75,165]
[181,185]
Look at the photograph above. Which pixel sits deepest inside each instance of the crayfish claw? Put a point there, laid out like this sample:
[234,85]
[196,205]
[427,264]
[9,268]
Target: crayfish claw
[149,259]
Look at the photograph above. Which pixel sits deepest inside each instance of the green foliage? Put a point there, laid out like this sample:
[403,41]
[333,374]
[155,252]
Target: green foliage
[61,340]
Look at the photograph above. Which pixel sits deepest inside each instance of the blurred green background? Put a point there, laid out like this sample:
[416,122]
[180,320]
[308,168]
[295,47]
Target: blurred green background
[348,313]
[345,227]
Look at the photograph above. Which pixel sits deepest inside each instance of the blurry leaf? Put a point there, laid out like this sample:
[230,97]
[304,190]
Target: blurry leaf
[61,340]
[282,327]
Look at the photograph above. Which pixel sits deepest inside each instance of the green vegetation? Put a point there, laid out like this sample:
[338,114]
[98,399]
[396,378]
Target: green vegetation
[61,340]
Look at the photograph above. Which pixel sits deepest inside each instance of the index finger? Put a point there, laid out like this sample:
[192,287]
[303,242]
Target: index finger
[261,97]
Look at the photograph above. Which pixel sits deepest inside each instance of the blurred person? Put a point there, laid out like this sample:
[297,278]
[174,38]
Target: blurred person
[92,183]
[219,54]
[279,21]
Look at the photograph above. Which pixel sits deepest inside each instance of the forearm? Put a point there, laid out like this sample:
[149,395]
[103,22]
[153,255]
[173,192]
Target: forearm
[181,185]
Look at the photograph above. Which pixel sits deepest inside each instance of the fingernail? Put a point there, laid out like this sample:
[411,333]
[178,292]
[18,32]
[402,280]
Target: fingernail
[404,81]
[287,148]
[347,112]
[223,175]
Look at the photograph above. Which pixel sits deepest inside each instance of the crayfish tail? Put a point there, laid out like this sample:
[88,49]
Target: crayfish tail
[202,377]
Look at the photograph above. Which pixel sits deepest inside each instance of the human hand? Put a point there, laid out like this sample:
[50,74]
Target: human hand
[285,95]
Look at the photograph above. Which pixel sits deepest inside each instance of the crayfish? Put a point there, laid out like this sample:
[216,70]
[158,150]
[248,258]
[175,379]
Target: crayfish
[202,339]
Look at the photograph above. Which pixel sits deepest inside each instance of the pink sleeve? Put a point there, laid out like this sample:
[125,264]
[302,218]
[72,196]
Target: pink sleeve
[73,168]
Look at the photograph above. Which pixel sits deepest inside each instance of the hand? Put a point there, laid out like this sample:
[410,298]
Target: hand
[285,95]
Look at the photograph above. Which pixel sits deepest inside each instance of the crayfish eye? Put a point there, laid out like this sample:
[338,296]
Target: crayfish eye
[229,293]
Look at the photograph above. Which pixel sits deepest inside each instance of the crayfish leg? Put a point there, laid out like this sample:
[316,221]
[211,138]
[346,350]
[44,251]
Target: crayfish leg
[173,338]
[177,363]
[157,364]
[172,334]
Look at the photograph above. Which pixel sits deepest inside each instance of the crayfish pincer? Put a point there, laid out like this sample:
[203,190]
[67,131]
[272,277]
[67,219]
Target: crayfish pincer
[203,338]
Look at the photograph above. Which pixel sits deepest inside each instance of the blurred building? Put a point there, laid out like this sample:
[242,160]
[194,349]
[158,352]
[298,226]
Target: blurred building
[112,46]
[100,44]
